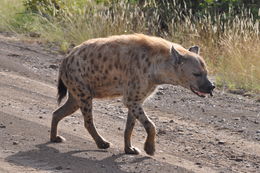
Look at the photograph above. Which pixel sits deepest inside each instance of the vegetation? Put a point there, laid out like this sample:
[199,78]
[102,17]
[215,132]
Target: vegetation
[227,30]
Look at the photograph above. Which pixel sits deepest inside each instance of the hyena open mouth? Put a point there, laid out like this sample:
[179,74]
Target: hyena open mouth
[201,93]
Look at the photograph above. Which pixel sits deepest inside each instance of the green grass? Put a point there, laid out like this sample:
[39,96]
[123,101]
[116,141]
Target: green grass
[231,46]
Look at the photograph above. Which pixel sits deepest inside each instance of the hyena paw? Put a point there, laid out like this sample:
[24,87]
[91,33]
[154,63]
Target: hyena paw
[132,150]
[149,148]
[103,145]
[58,139]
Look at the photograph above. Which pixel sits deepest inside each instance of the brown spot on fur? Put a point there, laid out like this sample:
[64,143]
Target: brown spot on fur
[99,55]
[72,59]
[116,64]
[144,70]
[96,67]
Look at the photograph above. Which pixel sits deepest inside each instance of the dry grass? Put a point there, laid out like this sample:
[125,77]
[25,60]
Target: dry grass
[231,46]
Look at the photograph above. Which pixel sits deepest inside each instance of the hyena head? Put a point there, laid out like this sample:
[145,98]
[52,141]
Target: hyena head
[189,70]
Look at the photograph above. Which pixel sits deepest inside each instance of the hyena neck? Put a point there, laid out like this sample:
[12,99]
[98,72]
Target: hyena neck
[161,76]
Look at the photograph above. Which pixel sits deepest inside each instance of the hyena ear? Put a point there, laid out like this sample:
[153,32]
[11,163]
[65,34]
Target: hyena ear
[195,49]
[175,55]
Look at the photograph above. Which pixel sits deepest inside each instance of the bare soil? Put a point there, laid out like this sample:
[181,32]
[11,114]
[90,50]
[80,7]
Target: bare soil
[215,134]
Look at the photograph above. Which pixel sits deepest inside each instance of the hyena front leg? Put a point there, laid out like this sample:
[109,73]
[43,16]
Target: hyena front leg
[86,109]
[137,111]
[129,149]
[67,109]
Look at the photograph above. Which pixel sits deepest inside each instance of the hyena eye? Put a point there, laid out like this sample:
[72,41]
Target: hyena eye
[197,74]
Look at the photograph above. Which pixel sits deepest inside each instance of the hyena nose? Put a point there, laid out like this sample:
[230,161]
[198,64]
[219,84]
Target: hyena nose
[210,87]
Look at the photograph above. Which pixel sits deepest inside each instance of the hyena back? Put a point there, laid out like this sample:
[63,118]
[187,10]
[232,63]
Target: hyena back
[130,66]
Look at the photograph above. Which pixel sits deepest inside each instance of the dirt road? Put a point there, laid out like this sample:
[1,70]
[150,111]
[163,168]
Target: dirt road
[218,134]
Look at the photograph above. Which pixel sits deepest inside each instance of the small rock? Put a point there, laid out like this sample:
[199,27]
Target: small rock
[53,66]
[161,132]
[258,131]
[159,93]
[2,126]
[40,117]
[236,118]
[221,142]
[197,163]
[15,143]
[34,34]
[238,159]
[240,130]
[119,128]
[59,168]
[222,120]
[171,121]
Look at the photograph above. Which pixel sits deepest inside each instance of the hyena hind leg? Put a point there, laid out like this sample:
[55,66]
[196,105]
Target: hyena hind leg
[86,109]
[67,109]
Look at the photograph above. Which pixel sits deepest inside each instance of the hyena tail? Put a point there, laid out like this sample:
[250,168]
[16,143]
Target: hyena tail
[62,90]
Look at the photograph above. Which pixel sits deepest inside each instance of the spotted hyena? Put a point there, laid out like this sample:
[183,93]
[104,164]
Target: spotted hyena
[130,66]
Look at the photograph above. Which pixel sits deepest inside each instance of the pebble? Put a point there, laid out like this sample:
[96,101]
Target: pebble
[236,118]
[159,93]
[222,120]
[53,66]
[15,143]
[240,130]
[221,142]
[161,132]
[59,168]
[171,121]
[258,131]
[2,126]
[197,163]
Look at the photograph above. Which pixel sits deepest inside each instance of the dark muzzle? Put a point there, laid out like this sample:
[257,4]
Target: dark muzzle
[208,88]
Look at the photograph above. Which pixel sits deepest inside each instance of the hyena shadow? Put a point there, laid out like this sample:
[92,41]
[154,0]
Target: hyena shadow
[48,158]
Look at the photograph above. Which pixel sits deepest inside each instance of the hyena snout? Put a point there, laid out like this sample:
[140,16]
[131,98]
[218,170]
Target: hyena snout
[203,88]
[207,87]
